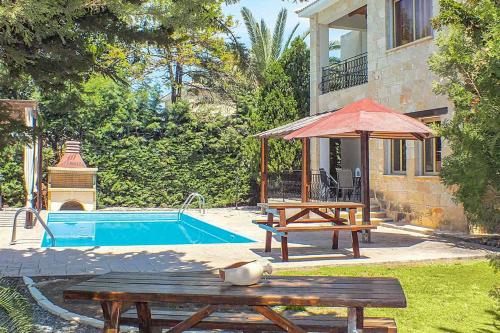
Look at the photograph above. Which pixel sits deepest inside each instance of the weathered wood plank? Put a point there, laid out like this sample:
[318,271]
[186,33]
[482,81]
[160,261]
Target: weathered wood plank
[342,205]
[352,320]
[269,234]
[296,217]
[352,216]
[193,319]
[284,286]
[203,276]
[355,244]
[292,294]
[310,220]
[360,317]
[335,236]
[339,301]
[111,313]
[342,299]
[325,228]
[313,291]
[267,285]
[324,215]
[255,321]
[270,282]
[144,317]
[278,319]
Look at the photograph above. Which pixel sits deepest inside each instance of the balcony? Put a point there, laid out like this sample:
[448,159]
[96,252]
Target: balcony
[344,74]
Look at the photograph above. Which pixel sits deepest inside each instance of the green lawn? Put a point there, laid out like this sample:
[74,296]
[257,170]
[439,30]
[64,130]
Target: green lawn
[442,297]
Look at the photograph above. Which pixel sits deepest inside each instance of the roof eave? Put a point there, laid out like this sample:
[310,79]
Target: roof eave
[313,8]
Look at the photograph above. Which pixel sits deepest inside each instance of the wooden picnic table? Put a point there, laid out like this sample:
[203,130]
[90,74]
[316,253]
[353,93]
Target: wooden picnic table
[117,290]
[322,210]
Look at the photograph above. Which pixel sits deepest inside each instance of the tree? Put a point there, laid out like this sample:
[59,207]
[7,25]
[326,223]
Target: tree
[11,175]
[149,155]
[468,62]
[334,46]
[273,105]
[265,48]
[55,41]
[295,63]
[199,60]
[49,43]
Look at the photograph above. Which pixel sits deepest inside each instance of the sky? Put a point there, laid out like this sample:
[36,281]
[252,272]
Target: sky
[267,10]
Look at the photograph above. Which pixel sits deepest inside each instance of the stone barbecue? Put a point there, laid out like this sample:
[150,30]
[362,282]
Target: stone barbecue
[72,185]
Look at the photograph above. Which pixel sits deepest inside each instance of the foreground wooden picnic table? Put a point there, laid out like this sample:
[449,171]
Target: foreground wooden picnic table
[323,215]
[117,290]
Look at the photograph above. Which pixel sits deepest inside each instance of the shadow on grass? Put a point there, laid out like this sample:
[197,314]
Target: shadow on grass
[492,326]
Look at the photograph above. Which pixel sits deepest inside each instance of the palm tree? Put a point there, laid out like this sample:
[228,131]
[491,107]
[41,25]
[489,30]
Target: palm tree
[265,48]
[334,46]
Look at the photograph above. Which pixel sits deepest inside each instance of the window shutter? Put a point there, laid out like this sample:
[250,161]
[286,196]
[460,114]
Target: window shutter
[419,158]
[387,157]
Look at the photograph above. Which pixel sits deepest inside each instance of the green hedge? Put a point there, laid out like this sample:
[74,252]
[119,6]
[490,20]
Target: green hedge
[11,176]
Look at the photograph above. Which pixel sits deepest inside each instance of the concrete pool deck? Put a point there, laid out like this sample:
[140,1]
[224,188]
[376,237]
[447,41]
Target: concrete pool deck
[26,258]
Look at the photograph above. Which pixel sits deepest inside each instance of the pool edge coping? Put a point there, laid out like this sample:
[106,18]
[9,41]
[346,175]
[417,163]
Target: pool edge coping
[60,312]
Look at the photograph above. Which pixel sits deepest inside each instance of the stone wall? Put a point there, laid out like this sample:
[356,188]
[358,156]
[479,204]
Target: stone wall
[399,78]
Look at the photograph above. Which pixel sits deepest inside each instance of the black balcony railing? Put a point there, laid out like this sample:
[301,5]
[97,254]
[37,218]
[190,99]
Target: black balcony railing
[285,186]
[347,73]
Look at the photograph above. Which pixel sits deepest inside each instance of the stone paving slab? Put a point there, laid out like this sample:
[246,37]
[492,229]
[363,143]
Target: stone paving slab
[306,250]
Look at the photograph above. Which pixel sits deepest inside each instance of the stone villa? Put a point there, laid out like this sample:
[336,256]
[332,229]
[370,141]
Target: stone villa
[383,56]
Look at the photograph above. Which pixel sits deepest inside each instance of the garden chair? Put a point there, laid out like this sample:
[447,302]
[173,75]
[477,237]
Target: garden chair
[345,183]
[328,185]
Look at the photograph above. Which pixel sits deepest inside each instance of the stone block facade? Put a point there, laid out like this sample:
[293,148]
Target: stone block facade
[399,78]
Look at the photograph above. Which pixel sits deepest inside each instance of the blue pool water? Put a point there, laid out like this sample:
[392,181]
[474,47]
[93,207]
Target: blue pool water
[126,229]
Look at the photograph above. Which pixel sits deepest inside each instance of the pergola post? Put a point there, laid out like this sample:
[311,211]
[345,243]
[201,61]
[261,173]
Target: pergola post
[39,202]
[305,170]
[264,152]
[365,182]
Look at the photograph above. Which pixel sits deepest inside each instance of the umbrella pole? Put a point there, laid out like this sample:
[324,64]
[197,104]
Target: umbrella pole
[264,152]
[305,170]
[365,183]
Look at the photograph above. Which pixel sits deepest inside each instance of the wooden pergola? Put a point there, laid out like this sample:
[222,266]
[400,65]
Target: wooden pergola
[363,119]
[279,133]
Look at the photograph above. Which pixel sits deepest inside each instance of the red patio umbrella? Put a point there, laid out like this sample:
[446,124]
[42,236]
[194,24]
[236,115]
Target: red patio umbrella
[364,119]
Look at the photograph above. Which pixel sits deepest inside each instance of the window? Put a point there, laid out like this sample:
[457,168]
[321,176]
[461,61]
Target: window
[398,157]
[432,153]
[411,20]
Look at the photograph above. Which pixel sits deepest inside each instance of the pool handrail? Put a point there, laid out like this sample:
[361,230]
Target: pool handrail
[38,217]
[189,200]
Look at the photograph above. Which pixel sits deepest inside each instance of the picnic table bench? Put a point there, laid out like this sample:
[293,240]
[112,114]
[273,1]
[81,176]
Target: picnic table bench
[219,303]
[281,227]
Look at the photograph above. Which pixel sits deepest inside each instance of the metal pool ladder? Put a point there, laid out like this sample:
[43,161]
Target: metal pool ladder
[38,217]
[189,201]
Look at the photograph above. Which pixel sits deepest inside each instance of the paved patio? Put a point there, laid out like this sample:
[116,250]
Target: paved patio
[306,250]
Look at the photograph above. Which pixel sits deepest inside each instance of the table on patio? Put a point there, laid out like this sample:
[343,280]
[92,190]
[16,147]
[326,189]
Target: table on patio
[308,224]
[117,290]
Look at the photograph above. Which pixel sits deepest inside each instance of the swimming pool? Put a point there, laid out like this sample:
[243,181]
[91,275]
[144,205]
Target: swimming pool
[133,228]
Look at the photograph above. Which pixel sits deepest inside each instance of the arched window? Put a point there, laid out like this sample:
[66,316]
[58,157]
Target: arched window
[72,205]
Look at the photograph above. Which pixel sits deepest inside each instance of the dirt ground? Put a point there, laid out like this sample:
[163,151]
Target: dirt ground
[52,288]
